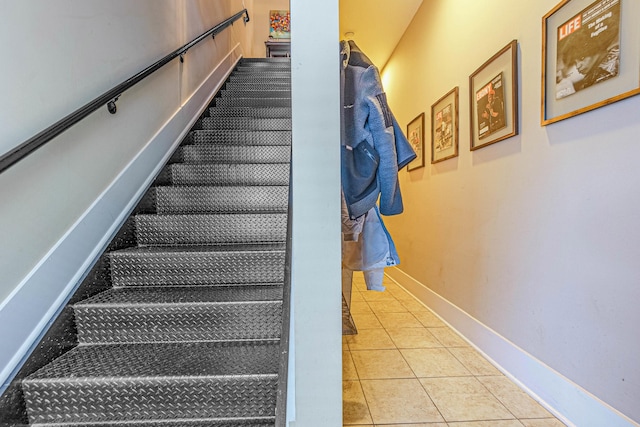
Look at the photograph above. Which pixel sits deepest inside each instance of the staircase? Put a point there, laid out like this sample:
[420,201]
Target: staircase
[189,333]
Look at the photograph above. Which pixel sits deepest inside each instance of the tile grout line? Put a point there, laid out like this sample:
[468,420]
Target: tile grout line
[472,371]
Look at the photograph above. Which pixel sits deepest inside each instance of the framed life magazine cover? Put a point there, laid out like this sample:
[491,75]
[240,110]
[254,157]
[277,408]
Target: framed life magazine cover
[590,56]
[494,98]
[444,127]
[415,135]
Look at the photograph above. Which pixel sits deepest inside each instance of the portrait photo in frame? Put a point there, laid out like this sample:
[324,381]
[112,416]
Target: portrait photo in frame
[415,135]
[444,127]
[590,56]
[494,98]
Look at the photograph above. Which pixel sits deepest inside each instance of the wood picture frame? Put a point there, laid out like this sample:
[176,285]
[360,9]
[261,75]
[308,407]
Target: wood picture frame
[590,56]
[494,98]
[444,127]
[415,135]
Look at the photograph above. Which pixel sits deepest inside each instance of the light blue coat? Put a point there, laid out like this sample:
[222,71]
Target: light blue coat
[373,146]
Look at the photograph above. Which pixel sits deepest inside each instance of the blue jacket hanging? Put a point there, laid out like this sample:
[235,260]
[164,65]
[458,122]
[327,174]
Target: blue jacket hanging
[373,146]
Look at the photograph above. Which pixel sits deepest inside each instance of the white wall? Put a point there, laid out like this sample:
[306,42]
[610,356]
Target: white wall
[61,203]
[316,277]
[536,237]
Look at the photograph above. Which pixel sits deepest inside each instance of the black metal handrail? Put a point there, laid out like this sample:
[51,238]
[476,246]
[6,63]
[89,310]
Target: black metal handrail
[108,98]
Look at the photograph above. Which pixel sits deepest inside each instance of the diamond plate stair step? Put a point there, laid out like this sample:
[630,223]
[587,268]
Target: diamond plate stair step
[210,153]
[252,102]
[264,60]
[259,78]
[268,63]
[179,314]
[266,66]
[266,72]
[263,68]
[129,382]
[266,86]
[225,174]
[182,422]
[198,265]
[210,229]
[254,93]
[276,112]
[246,123]
[236,137]
[251,82]
[228,199]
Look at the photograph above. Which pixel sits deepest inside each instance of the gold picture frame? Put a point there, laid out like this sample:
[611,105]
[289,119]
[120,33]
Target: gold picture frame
[590,56]
[444,127]
[494,98]
[415,135]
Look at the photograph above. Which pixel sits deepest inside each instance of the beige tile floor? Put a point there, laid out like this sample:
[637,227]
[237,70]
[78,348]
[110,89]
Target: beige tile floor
[406,368]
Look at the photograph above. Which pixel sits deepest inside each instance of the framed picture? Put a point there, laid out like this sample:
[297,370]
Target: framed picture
[494,98]
[415,135]
[279,24]
[590,56]
[444,127]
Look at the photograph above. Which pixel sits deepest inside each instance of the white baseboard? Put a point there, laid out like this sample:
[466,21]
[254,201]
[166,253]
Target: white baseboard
[35,303]
[569,402]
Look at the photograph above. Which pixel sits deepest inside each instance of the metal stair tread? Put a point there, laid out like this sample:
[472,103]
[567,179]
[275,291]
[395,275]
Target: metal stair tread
[182,295]
[174,199]
[231,153]
[235,248]
[280,85]
[177,422]
[232,136]
[256,98]
[204,216]
[248,123]
[206,188]
[162,361]
[227,164]
[264,112]
[225,189]
[247,78]
[210,228]
[225,174]
[255,94]
[252,102]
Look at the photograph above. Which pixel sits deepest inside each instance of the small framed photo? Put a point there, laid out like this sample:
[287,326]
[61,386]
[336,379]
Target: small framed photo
[494,98]
[444,127]
[415,135]
[590,56]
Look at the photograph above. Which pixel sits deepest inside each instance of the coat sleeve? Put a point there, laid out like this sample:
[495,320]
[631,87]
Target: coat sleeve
[404,150]
[380,121]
